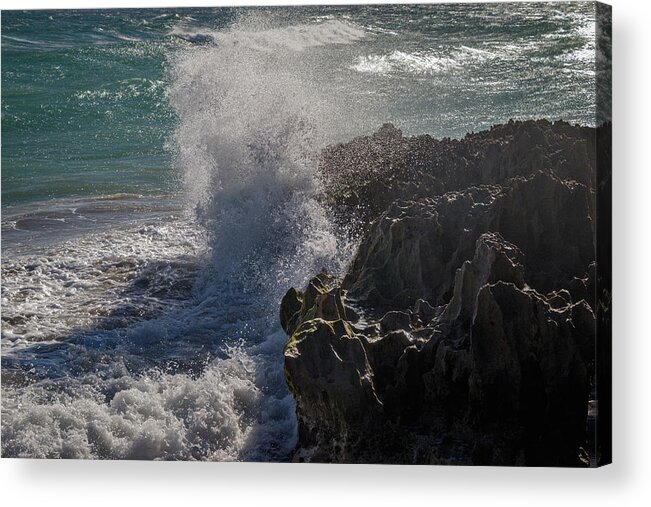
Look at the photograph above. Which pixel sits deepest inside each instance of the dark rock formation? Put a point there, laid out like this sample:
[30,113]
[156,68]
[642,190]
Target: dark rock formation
[464,330]
[414,248]
[363,177]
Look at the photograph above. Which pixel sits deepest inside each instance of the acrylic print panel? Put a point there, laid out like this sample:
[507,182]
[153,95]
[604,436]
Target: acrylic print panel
[360,234]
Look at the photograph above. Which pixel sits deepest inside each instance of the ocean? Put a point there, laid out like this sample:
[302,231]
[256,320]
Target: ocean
[160,193]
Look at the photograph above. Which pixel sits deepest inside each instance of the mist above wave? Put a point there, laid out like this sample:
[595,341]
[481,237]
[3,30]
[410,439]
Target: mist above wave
[258,38]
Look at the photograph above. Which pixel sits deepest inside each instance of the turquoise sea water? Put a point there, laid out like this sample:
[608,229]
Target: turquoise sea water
[160,194]
[83,103]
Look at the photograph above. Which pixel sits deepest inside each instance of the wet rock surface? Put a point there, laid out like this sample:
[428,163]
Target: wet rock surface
[464,329]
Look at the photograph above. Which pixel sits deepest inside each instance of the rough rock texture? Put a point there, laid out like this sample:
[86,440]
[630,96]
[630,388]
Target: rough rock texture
[363,177]
[414,248]
[464,330]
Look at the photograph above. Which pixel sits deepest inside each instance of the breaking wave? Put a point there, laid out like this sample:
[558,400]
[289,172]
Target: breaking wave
[162,340]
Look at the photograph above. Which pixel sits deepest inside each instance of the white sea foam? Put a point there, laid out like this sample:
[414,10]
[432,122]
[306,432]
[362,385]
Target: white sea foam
[77,284]
[222,414]
[421,62]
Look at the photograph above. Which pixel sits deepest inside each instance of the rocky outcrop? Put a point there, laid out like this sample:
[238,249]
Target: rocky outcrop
[415,248]
[363,177]
[464,329]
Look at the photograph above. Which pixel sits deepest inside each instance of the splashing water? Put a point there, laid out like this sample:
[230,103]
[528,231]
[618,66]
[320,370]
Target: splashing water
[251,127]
[202,379]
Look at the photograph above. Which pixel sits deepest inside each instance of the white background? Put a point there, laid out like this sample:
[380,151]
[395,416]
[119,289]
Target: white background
[626,482]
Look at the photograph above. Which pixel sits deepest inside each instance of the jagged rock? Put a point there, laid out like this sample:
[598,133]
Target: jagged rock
[321,299]
[501,370]
[327,370]
[412,251]
[425,311]
[384,167]
[290,308]
[514,381]
[476,343]
[393,321]
[529,383]
[495,260]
